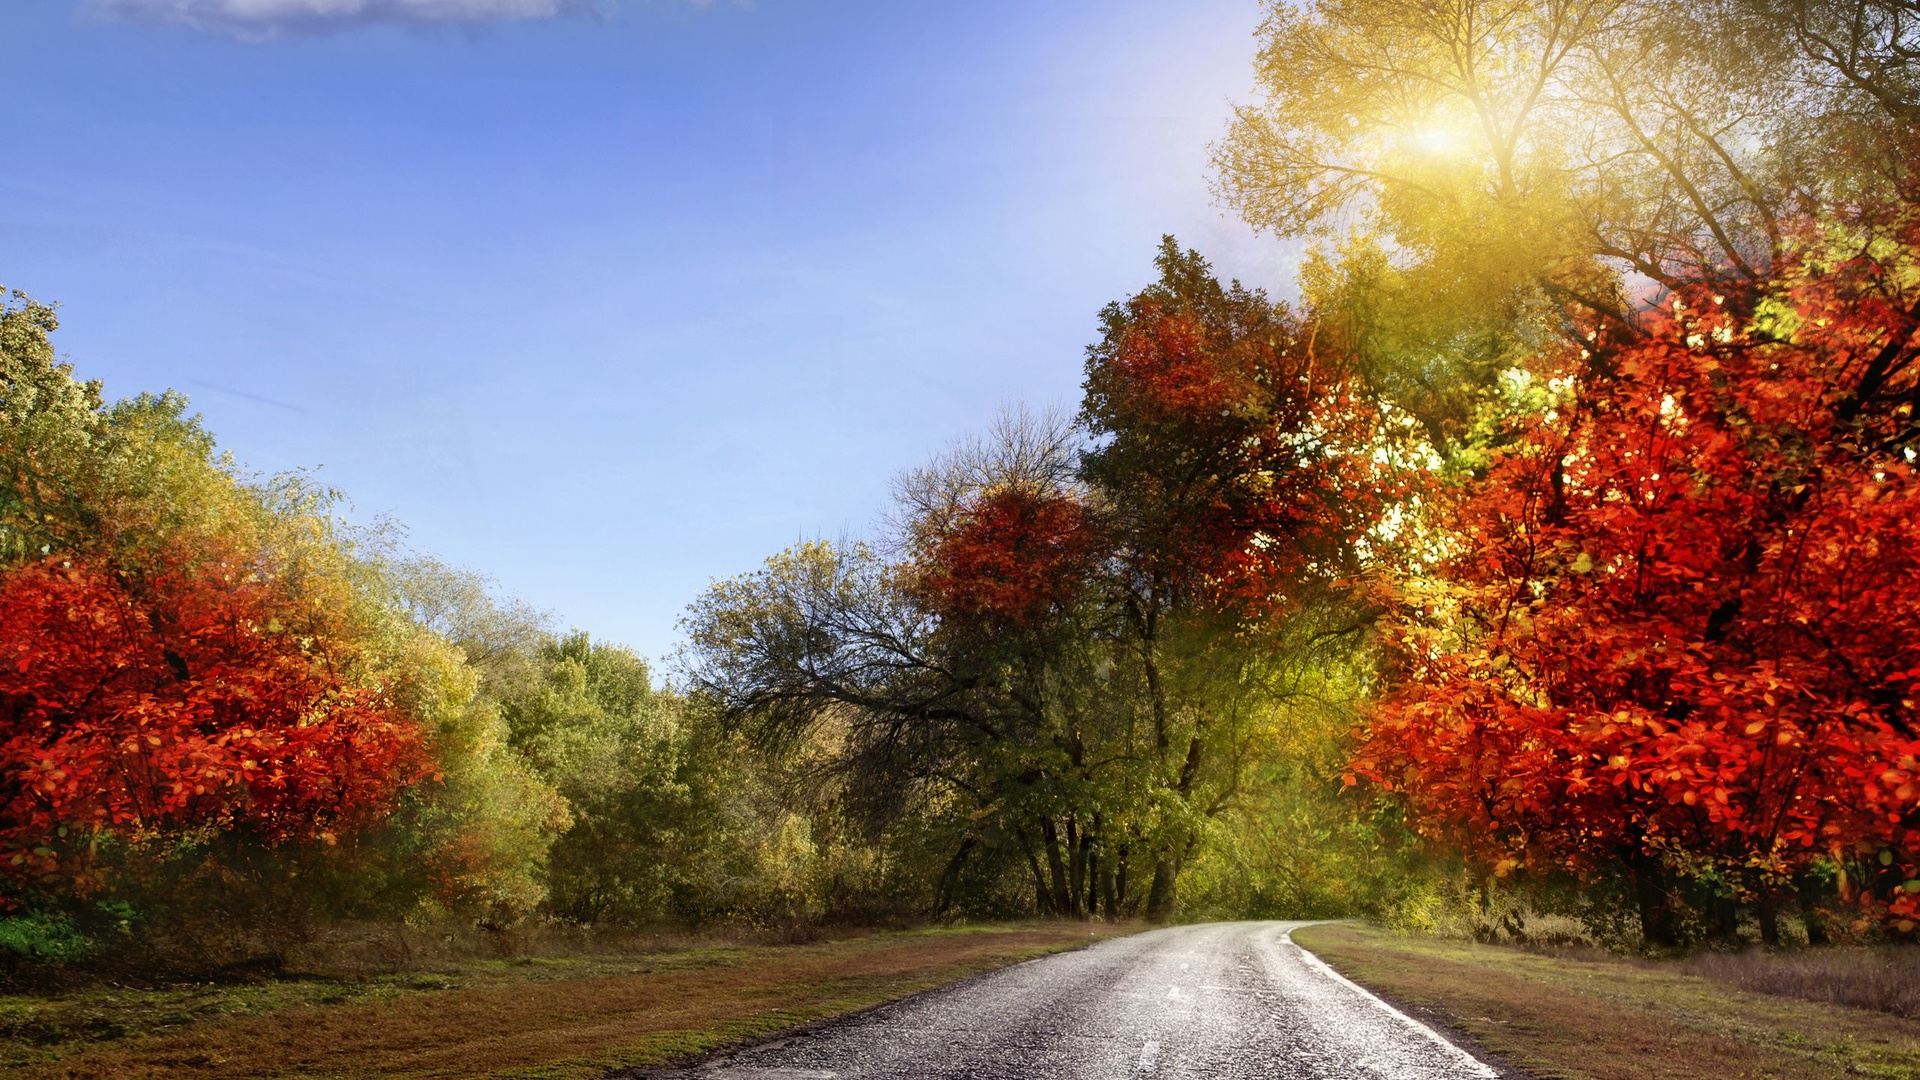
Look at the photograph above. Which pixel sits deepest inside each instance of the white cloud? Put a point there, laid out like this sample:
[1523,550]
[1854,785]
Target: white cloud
[269,20]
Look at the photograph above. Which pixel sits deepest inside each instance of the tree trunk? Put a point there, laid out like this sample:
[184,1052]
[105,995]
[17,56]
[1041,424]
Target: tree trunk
[1042,899]
[1657,924]
[950,877]
[1063,897]
[1726,919]
[1808,893]
[1160,894]
[1769,920]
[1077,843]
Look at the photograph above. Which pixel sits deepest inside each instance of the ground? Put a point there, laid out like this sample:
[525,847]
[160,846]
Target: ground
[554,1018]
[1590,1016]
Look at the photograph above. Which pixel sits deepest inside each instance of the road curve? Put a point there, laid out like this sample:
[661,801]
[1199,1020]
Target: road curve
[1223,1001]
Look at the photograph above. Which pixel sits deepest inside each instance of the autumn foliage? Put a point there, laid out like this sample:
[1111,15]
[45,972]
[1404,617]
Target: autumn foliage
[1013,557]
[203,695]
[1674,628]
[1230,468]
[1234,451]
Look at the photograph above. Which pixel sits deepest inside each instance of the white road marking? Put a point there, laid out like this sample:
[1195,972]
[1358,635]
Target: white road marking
[1148,1055]
[1473,1064]
[1173,992]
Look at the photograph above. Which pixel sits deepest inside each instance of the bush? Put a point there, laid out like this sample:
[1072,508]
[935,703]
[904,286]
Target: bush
[43,937]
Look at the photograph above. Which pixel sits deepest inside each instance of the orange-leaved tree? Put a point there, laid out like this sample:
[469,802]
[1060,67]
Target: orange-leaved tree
[1674,630]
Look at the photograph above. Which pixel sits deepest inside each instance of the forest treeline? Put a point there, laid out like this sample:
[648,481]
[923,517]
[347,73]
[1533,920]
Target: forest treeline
[229,715]
[1554,552]
[232,719]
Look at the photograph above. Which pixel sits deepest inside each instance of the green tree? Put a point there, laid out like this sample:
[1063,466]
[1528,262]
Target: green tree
[1079,641]
[48,422]
[956,693]
[642,793]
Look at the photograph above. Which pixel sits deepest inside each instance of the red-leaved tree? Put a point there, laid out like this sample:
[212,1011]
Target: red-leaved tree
[1010,558]
[202,695]
[1676,630]
[1234,462]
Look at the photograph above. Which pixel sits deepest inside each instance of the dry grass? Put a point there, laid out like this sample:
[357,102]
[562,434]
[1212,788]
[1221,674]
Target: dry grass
[1589,1016]
[525,1018]
[1885,978]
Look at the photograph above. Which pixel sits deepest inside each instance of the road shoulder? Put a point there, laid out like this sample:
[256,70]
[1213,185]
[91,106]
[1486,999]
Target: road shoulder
[1597,1018]
[573,1019]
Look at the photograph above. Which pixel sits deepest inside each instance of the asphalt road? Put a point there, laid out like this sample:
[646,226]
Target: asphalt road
[1223,1001]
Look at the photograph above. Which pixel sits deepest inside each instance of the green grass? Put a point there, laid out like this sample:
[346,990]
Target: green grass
[1596,1017]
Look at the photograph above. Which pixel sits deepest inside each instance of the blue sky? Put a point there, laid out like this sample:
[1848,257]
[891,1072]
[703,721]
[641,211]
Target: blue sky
[608,305]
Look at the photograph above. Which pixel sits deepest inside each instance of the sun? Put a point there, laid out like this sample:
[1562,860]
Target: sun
[1436,139]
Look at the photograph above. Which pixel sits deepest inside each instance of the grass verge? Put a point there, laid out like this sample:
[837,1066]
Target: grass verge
[522,1019]
[1595,1017]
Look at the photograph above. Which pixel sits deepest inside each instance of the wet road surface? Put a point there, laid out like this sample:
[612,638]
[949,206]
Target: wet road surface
[1223,1001]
